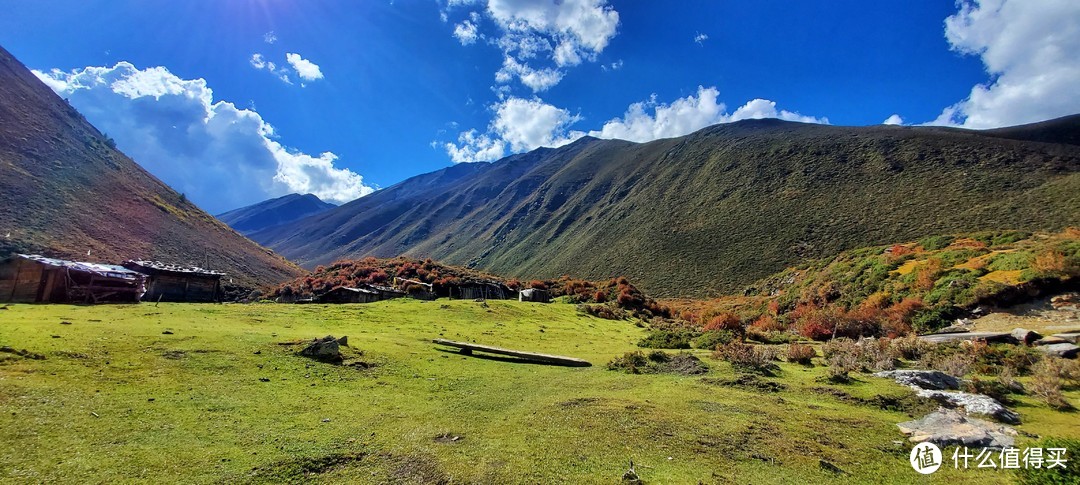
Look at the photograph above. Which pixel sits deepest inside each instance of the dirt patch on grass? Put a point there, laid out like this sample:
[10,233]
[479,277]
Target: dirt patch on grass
[659,362]
[580,401]
[301,469]
[26,354]
[174,354]
[449,438]
[420,469]
[904,403]
[749,382]
[71,355]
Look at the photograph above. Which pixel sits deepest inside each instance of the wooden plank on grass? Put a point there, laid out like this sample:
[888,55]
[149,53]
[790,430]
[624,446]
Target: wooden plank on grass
[468,348]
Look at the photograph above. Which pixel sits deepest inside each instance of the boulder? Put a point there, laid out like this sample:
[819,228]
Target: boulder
[972,404]
[326,349]
[1050,341]
[1073,337]
[1025,336]
[922,379]
[989,337]
[948,427]
[1065,350]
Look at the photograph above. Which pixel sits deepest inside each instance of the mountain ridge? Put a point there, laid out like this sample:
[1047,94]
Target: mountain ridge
[274,212]
[65,191]
[708,212]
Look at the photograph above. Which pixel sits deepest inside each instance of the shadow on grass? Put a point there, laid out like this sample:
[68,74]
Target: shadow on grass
[499,358]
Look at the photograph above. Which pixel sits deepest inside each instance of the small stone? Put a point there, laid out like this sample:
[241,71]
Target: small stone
[167,332]
[326,420]
[264,379]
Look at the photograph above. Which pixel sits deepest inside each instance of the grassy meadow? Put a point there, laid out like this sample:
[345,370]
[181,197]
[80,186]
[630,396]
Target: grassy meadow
[117,399]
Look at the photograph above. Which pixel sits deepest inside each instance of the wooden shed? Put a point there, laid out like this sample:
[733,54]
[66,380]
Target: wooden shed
[171,282]
[360,294]
[29,278]
[534,295]
[487,290]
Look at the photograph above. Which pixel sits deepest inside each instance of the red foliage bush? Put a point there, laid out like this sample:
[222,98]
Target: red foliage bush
[724,321]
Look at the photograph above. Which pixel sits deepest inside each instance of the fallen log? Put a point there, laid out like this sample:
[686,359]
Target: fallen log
[468,348]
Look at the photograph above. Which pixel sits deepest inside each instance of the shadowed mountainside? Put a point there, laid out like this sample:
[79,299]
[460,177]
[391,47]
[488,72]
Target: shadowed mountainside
[274,212]
[65,190]
[710,211]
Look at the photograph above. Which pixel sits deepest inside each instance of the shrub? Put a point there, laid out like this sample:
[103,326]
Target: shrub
[1046,383]
[911,347]
[1057,475]
[753,358]
[933,319]
[668,339]
[876,354]
[933,243]
[711,339]
[1010,261]
[840,364]
[725,321]
[801,354]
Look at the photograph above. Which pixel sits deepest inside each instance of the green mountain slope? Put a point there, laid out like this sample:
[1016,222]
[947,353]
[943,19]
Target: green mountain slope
[66,191]
[712,211]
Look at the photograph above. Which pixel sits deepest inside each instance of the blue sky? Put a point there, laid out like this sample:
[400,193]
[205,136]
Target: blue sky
[233,102]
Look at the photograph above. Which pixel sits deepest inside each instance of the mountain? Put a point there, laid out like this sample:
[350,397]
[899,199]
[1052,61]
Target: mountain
[274,212]
[65,191]
[711,211]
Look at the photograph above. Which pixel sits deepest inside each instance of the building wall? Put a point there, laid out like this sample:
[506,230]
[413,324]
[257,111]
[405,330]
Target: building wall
[179,288]
[20,281]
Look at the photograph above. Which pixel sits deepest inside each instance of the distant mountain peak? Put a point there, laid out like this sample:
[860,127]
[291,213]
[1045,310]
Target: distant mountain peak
[274,212]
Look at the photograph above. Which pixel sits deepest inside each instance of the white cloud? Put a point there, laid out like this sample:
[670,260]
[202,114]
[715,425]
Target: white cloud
[259,62]
[541,36]
[687,115]
[523,124]
[895,119]
[701,38]
[466,32]
[1029,48]
[527,124]
[536,79]
[269,37]
[520,125]
[220,156]
[614,66]
[307,70]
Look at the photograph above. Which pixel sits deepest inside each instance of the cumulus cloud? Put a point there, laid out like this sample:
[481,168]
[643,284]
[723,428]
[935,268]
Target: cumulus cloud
[466,32]
[895,119]
[523,124]
[519,124]
[687,115]
[536,79]
[307,70]
[1029,49]
[220,156]
[542,37]
[259,62]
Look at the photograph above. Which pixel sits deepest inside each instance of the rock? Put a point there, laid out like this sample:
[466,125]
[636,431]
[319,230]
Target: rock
[325,349]
[1065,350]
[1050,341]
[1073,337]
[973,404]
[1066,301]
[1025,336]
[829,467]
[343,341]
[167,332]
[922,379]
[948,427]
[990,337]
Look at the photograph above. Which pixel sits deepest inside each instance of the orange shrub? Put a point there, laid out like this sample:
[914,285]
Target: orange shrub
[724,321]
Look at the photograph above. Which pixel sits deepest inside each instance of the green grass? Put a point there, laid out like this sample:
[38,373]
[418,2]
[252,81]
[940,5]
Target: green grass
[116,400]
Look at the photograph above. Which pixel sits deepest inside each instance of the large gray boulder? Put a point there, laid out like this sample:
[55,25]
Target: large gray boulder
[922,379]
[948,427]
[1025,336]
[326,349]
[972,404]
[1065,350]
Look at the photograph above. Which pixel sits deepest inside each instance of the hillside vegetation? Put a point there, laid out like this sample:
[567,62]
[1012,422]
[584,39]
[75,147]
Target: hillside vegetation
[890,291]
[710,212]
[65,191]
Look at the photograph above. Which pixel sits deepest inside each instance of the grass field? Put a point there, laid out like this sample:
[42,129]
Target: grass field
[116,399]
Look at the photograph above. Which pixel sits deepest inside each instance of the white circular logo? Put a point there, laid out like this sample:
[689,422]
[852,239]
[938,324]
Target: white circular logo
[926,458]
